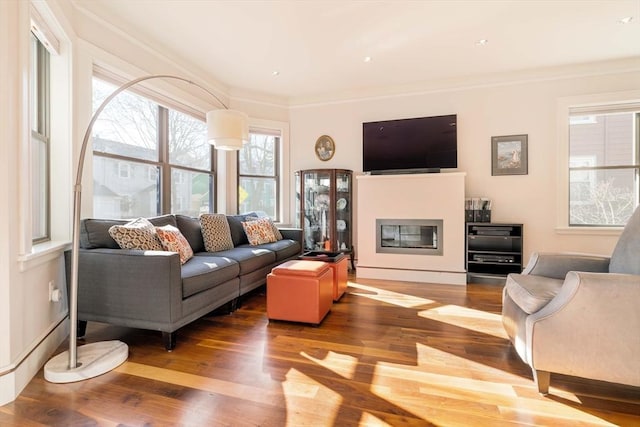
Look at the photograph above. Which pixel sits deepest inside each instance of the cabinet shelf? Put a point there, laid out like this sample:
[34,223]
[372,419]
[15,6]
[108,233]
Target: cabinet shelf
[493,251]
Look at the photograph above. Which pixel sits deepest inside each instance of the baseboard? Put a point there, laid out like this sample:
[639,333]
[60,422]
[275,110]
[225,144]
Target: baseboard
[445,277]
[14,378]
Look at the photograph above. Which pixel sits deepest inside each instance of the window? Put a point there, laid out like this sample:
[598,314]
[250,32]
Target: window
[604,164]
[258,180]
[40,140]
[148,159]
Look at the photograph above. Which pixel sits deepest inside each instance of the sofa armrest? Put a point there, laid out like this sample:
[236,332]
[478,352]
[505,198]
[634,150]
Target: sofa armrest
[557,265]
[292,233]
[128,287]
[589,329]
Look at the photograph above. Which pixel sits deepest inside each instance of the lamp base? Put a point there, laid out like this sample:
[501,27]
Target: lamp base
[92,360]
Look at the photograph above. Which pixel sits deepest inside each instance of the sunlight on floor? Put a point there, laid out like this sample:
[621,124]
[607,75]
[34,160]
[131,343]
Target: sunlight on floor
[300,386]
[370,420]
[481,321]
[390,297]
[341,364]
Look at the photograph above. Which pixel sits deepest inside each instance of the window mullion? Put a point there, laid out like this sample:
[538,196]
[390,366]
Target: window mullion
[163,152]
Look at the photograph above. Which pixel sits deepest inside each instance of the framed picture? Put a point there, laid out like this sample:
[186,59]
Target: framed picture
[509,155]
[325,148]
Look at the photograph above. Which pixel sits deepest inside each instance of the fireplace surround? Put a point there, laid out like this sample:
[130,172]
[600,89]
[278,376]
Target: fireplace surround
[434,196]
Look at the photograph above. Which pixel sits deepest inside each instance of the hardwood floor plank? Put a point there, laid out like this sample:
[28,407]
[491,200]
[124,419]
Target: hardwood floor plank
[389,354]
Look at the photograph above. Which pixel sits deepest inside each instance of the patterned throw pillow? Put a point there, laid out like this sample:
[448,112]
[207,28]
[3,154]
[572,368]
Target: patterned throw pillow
[276,233]
[136,234]
[259,231]
[216,232]
[173,240]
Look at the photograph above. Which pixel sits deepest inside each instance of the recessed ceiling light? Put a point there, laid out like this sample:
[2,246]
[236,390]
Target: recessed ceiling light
[625,20]
[482,42]
[367,59]
[275,73]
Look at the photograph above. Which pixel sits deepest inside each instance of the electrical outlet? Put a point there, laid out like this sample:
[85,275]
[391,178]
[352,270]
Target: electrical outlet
[54,293]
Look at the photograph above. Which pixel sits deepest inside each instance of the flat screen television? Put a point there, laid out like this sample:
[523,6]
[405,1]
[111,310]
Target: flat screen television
[424,144]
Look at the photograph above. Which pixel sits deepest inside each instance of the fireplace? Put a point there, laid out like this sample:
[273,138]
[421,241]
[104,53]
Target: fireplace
[436,201]
[409,236]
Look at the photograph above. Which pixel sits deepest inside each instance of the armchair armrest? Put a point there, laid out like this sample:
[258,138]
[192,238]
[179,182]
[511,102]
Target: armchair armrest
[557,265]
[589,329]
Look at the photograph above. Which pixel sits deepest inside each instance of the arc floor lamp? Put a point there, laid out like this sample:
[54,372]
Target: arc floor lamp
[226,130]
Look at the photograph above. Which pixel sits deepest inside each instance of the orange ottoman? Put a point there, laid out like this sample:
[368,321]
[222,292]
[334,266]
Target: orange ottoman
[300,291]
[339,263]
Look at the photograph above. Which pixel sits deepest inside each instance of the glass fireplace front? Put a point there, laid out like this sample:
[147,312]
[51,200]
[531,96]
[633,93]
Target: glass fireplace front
[409,236]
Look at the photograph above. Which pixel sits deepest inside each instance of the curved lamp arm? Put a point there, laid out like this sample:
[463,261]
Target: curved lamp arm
[227,130]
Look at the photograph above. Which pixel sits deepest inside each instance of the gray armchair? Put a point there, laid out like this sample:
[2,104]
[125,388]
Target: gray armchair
[578,315]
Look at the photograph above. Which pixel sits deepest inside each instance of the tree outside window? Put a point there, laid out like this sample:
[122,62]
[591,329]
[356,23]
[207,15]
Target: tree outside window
[258,165]
[148,159]
[603,167]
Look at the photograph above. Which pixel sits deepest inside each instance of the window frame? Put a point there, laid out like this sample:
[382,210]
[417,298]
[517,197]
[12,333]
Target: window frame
[277,169]
[566,107]
[40,77]
[162,163]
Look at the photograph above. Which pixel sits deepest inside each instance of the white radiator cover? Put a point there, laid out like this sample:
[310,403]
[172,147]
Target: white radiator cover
[411,196]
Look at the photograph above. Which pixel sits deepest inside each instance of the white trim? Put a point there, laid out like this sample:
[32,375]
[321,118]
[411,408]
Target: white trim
[564,108]
[43,32]
[42,253]
[15,376]
[419,276]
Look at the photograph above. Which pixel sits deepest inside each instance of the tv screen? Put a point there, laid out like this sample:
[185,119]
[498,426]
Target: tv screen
[424,144]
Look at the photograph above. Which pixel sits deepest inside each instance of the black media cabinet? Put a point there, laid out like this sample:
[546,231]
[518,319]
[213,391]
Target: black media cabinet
[493,251]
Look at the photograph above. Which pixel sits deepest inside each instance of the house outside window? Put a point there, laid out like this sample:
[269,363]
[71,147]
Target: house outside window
[258,168]
[148,159]
[604,165]
[40,141]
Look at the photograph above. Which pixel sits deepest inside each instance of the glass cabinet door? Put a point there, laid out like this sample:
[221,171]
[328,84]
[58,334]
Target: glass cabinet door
[343,210]
[316,188]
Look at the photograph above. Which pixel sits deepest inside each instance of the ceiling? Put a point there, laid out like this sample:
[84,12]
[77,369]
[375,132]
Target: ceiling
[318,47]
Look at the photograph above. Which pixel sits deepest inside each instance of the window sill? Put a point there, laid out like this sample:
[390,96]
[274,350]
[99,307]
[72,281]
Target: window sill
[590,231]
[42,253]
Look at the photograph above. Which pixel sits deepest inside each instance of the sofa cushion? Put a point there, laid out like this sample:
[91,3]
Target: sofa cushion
[192,231]
[238,236]
[249,257]
[172,240]
[215,232]
[94,233]
[284,249]
[530,292]
[259,231]
[136,234]
[205,272]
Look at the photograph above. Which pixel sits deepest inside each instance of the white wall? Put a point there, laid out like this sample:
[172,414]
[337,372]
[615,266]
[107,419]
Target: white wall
[31,326]
[515,108]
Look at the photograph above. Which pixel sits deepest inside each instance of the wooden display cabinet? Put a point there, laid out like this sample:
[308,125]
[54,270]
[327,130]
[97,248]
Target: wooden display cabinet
[324,210]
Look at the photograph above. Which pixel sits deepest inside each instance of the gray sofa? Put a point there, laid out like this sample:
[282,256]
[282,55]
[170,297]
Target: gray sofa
[152,290]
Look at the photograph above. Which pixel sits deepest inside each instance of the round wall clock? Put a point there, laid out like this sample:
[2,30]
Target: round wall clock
[325,148]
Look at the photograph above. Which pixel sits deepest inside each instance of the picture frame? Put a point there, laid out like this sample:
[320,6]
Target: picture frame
[509,155]
[325,148]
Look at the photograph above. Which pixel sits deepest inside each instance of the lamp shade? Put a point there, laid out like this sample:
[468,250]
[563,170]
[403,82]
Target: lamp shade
[227,129]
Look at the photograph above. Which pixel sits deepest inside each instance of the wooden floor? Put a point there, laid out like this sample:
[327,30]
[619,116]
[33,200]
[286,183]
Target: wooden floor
[389,353]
